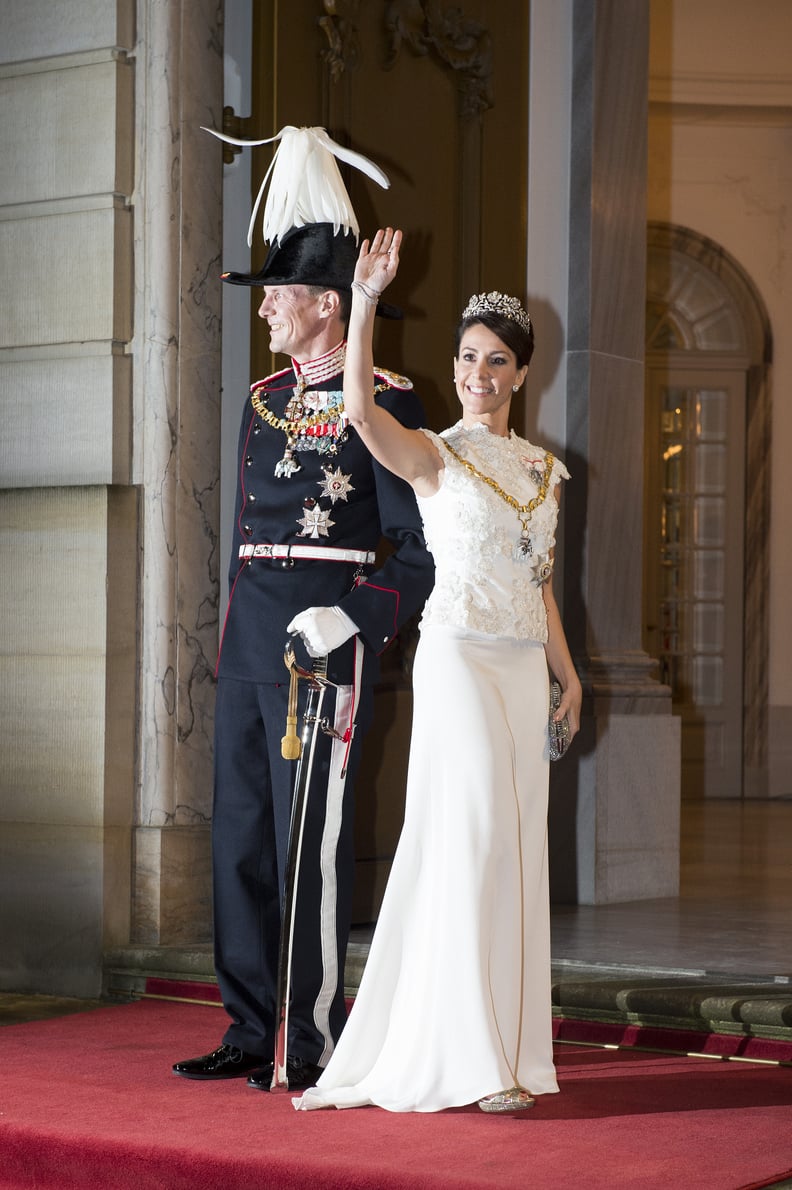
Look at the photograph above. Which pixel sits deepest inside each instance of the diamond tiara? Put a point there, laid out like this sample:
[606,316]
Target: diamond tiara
[497,303]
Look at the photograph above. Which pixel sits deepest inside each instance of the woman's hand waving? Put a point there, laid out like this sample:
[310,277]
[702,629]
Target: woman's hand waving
[377,263]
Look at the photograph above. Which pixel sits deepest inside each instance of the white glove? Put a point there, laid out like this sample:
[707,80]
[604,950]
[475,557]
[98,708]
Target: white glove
[323,629]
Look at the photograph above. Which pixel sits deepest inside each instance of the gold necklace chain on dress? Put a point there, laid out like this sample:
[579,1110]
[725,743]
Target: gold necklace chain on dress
[524,511]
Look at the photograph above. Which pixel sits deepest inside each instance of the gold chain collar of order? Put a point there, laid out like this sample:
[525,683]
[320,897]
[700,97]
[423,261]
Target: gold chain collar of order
[524,511]
[294,427]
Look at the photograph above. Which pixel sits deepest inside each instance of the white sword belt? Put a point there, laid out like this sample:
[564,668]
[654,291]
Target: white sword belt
[315,553]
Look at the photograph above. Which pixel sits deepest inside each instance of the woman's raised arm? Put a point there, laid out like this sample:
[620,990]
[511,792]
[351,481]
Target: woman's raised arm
[407,453]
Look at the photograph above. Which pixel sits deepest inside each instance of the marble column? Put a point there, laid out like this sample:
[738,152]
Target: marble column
[179,81]
[615,799]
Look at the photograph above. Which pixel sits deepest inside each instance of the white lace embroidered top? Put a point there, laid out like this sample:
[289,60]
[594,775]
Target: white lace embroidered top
[471,532]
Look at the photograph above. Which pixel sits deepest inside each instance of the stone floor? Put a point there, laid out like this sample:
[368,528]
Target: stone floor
[734,912]
[719,956]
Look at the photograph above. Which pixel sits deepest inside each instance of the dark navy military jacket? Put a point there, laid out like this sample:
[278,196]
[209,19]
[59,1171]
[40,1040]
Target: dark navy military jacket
[345,500]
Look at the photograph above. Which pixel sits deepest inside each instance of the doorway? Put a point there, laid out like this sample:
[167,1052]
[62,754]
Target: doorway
[706,508]
[695,510]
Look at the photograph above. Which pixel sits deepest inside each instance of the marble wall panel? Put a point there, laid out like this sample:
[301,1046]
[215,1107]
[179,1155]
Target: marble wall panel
[626,823]
[780,752]
[177,393]
[51,890]
[53,547]
[52,654]
[56,129]
[607,229]
[113,910]
[124,549]
[76,270]
[547,264]
[604,503]
[172,886]
[68,723]
[30,29]
[66,419]
[618,178]
[623,846]
[52,722]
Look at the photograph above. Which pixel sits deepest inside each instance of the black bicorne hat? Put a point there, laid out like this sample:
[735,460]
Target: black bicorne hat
[315,254]
[308,219]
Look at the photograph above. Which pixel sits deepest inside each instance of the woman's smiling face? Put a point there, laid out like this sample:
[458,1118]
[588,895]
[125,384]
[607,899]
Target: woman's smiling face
[485,374]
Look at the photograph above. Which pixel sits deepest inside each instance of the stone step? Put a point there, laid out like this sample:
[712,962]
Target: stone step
[709,1002]
[637,998]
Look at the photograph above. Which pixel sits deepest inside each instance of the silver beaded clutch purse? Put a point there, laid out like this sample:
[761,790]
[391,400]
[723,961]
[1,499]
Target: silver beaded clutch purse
[558,733]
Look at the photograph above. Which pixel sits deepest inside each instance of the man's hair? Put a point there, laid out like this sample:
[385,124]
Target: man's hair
[344,300]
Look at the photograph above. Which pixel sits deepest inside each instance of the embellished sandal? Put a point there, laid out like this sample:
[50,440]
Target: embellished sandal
[515,1099]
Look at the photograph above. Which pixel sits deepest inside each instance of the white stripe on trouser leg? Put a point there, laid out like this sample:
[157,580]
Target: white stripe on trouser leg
[336,785]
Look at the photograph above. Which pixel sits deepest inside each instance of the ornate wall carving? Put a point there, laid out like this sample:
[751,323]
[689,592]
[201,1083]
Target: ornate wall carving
[428,29]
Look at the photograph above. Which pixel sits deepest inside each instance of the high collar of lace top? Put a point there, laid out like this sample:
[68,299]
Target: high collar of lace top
[315,371]
[478,427]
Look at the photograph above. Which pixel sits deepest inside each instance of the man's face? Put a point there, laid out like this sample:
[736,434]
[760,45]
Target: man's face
[295,319]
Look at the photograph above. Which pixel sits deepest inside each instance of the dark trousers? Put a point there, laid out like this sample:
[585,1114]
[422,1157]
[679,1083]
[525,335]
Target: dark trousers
[250,831]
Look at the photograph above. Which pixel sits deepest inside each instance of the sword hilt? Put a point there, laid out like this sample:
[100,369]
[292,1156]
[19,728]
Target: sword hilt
[291,745]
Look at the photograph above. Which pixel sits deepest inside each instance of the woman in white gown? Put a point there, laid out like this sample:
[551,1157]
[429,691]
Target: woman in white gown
[454,1004]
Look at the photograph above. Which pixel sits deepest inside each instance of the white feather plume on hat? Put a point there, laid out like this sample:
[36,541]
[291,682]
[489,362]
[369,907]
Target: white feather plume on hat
[305,182]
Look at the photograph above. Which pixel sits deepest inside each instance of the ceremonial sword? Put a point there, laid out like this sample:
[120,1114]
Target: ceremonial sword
[301,750]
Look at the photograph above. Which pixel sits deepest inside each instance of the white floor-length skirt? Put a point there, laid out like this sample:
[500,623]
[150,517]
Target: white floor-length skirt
[454,1003]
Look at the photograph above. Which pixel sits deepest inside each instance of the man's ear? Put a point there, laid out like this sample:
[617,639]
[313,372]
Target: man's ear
[329,305]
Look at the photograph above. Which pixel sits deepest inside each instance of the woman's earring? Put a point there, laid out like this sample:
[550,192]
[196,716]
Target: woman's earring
[515,388]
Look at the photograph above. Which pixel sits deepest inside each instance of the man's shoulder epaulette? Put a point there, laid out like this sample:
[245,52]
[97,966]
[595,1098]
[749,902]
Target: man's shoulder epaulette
[392,379]
[257,384]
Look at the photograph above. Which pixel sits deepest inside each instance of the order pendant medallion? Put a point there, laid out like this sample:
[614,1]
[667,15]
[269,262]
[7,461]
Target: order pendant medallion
[523,550]
[288,465]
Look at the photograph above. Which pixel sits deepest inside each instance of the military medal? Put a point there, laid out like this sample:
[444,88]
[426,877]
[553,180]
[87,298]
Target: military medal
[541,565]
[314,419]
[288,465]
[541,569]
[323,430]
[293,414]
[335,484]
[315,521]
[524,547]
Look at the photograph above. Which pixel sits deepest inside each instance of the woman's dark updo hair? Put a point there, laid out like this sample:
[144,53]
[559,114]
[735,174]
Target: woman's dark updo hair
[519,340]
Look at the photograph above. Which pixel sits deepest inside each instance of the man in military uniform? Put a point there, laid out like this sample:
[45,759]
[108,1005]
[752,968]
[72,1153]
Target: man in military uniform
[311,509]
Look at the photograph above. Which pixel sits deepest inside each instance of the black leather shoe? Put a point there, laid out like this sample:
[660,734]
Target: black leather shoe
[299,1075]
[225,1062]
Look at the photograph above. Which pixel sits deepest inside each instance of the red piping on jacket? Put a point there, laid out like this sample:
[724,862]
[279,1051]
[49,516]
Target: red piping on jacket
[387,591]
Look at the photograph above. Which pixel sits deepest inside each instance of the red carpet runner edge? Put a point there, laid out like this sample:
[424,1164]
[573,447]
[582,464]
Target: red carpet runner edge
[89,1101]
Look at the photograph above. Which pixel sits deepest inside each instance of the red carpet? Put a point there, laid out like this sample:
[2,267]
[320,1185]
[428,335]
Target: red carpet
[89,1100]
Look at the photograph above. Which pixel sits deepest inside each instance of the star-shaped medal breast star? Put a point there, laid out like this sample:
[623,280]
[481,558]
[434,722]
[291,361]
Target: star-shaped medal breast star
[335,485]
[315,522]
